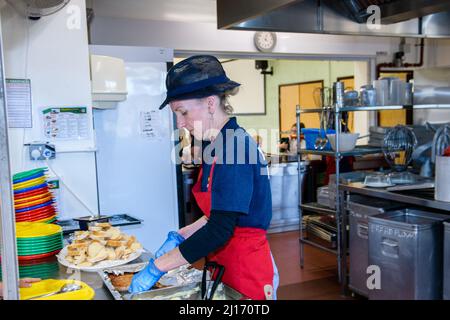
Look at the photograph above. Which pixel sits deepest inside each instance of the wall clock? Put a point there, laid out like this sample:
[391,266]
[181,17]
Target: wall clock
[265,41]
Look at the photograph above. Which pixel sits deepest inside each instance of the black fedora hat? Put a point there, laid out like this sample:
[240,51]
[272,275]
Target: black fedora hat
[196,77]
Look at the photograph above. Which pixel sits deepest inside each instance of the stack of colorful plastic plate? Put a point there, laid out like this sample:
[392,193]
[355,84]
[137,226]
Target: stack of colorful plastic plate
[38,240]
[33,201]
[45,268]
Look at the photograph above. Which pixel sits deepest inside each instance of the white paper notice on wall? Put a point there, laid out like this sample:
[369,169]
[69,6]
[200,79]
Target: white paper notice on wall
[151,127]
[65,123]
[18,97]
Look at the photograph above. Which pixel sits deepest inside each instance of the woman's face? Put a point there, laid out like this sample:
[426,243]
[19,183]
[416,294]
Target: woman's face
[294,131]
[192,114]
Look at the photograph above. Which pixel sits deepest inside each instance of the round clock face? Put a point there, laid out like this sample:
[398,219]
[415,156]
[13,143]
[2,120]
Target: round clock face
[265,41]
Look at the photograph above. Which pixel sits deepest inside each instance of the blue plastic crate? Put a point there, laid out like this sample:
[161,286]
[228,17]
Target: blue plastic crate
[311,136]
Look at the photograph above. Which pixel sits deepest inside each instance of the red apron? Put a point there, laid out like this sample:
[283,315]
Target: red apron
[246,256]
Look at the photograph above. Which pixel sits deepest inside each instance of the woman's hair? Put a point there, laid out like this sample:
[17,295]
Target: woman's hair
[302,125]
[224,103]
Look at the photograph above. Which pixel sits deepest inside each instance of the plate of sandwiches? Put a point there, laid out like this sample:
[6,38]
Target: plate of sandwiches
[102,246]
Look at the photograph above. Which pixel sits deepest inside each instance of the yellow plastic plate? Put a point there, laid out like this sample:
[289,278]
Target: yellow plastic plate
[52,285]
[36,229]
[30,183]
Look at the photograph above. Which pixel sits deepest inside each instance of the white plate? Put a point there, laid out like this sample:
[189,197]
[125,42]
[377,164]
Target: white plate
[378,185]
[98,266]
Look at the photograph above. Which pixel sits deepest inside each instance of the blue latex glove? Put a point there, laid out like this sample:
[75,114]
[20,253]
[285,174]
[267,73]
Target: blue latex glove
[174,239]
[146,278]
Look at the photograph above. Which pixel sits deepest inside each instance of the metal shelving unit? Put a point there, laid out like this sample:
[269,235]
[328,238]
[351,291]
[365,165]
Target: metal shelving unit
[341,221]
[321,210]
[317,208]
[358,151]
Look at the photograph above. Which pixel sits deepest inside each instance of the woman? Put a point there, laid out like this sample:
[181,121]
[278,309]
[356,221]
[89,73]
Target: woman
[289,145]
[233,188]
[23,283]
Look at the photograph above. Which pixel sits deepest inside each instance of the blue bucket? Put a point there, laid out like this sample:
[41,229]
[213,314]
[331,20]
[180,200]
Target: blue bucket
[311,136]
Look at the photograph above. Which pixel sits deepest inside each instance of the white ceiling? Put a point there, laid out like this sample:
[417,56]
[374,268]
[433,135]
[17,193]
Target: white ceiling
[168,10]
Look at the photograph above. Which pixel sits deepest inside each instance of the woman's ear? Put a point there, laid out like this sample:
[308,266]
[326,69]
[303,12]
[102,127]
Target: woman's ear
[211,103]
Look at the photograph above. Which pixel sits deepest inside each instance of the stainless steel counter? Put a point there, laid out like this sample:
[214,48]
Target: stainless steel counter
[94,280]
[415,200]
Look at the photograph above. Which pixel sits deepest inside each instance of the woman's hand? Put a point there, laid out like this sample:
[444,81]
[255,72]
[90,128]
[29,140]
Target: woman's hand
[146,278]
[23,283]
[27,282]
[174,239]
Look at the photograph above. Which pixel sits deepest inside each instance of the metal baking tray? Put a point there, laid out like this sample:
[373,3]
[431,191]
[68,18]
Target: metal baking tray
[118,220]
[119,295]
[173,279]
[190,291]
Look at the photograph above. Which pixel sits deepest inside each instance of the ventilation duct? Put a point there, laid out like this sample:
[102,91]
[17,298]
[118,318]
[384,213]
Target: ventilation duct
[403,18]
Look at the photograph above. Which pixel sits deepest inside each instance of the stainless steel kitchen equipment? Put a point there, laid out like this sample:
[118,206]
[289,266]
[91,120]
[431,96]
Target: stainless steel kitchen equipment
[442,179]
[359,209]
[285,188]
[441,141]
[174,279]
[446,294]
[382,89]
[424,198]
[190,291]
[368,95]
[407,247]
[347,177]
[399,18]
[322,228]
[398,146]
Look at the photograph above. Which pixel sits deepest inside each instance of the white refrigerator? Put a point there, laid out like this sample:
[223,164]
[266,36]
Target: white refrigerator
[135,171]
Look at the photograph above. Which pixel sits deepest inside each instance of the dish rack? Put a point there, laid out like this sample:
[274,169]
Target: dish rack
[337,108]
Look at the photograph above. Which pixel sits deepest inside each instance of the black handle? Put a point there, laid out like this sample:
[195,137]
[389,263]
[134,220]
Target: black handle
[215,267]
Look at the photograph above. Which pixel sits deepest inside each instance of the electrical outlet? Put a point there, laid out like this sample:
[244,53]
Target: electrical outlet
[41,151]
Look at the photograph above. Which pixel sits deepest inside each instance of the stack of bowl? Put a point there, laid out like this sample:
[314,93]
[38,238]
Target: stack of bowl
[38,240]
[33,201]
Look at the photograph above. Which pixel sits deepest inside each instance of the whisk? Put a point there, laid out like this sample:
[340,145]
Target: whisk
[441,141]
[398,146]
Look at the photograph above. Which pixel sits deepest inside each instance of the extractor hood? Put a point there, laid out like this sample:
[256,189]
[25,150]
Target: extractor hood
[404,18]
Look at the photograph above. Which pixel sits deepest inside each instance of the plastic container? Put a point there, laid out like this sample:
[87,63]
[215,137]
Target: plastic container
[446,261]
[276,185]
[382,89]
[378,180]
[407,246]
[311,136]
[442,182]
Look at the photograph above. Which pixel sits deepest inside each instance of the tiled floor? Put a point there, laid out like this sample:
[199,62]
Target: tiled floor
[316,281]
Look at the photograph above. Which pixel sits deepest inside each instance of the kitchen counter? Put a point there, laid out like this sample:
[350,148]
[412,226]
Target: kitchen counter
[417,199]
